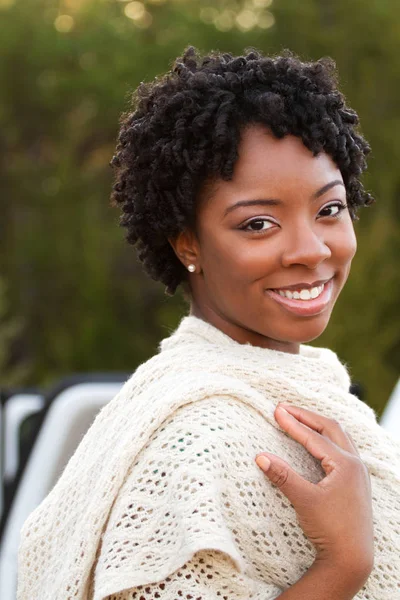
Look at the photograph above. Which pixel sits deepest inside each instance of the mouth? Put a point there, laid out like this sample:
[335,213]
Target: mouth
[305,302]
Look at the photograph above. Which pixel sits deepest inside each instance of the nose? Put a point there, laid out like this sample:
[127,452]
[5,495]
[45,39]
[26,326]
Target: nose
[304,247]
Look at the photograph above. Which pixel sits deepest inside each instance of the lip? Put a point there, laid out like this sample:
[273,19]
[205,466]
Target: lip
[305,308]
[302,286]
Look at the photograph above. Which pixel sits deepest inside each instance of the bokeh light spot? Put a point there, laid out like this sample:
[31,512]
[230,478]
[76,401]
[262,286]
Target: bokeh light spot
[225,20]
[266,20]
[135,10]
[144,21]
[64,23]
[73,5]
[246,20]
[209,14]
[262,3]
[6,3]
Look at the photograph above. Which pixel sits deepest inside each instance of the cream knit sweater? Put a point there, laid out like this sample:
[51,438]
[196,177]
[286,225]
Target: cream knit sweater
[163,499]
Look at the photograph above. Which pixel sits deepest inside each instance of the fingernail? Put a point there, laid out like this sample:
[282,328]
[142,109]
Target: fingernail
[263,462]
[281,407]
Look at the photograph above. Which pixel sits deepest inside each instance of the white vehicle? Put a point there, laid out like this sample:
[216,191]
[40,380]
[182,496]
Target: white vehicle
[390,419]
[63,418]
[16,408]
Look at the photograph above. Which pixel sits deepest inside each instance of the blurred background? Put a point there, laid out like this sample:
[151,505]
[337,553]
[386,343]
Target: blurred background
[77,315]
[72,295]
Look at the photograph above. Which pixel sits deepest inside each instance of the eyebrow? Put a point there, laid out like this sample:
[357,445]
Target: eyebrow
[276,202]
[327,187]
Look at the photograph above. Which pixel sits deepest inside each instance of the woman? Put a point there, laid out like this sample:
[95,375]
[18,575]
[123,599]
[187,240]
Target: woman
[235,463]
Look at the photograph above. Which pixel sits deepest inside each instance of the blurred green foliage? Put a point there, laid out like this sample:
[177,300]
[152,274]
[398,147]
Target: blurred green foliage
[66,71]
[10,328]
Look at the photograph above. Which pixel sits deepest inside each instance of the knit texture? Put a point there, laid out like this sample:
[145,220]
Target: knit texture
[164,483]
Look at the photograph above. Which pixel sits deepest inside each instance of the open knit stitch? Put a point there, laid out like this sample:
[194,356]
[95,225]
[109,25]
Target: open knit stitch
[163,499]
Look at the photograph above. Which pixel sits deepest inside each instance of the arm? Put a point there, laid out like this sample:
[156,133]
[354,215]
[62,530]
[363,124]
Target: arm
[321,582]
[335,514]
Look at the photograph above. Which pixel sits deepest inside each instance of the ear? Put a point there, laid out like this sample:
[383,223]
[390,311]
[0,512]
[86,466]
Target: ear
[187,249]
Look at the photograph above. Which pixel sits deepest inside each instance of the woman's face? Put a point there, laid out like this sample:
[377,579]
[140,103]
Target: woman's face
[276,224]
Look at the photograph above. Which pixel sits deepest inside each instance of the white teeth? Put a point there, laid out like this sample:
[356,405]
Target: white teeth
[305,294]
[302,294]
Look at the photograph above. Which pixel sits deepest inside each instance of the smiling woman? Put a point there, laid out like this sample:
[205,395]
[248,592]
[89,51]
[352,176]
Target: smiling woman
[239,180]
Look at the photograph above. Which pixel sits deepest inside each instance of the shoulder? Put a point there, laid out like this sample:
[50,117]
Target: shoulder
[176,498]
[211,428]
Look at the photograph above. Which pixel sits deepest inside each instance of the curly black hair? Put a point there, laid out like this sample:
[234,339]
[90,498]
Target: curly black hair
[183,129]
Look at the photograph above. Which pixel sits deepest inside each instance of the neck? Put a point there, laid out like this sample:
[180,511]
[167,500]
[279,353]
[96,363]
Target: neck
[239,332]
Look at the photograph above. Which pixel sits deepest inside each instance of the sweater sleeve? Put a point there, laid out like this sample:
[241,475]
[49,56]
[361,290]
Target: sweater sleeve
[208,575]
[195,493]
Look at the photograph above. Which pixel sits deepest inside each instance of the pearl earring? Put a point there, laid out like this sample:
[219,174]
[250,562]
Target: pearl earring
[191,268]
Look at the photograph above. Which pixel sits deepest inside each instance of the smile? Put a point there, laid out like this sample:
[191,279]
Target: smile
[302,294]
[304,302]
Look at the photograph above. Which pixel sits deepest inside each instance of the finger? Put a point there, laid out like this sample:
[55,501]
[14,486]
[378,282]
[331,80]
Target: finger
[319,446]
[323,425]
[284,477]
[353,442]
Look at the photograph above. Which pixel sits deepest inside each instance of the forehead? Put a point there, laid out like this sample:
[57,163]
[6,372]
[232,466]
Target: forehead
[268,165]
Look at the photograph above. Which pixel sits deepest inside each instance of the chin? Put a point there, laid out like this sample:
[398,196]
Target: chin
[306,331]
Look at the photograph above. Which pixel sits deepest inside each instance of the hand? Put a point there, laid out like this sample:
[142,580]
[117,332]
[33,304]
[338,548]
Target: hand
[335,514]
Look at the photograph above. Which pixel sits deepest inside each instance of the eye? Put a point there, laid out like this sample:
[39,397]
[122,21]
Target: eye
[338,207]
[257,225]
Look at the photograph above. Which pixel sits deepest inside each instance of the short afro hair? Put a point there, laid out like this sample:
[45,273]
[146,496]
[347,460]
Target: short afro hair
[183,131]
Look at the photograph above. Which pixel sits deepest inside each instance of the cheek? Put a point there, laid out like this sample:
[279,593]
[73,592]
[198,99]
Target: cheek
[345,244]
[344,247]
[235,259]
